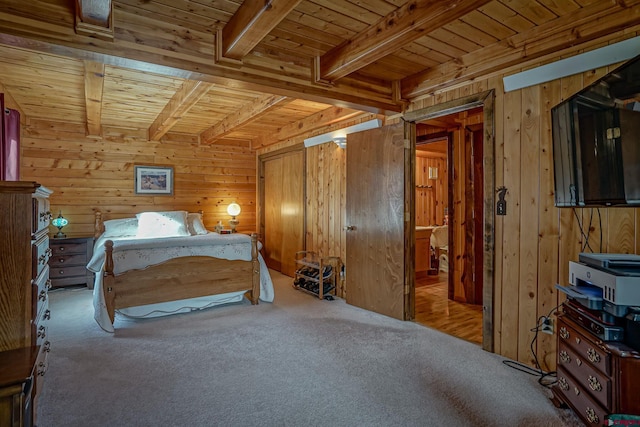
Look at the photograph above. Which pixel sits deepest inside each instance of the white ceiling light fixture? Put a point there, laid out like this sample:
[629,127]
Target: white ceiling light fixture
[596,58]
[339,136]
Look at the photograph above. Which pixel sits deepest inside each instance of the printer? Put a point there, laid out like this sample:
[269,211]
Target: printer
[604,294]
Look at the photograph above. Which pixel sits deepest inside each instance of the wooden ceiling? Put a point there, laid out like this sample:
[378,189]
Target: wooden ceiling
[253,70]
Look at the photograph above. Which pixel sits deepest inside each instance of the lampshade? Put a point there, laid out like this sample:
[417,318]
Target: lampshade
[233,209]
[60,222]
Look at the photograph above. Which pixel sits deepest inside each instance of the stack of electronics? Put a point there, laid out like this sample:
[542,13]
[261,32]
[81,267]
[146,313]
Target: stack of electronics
[604,296]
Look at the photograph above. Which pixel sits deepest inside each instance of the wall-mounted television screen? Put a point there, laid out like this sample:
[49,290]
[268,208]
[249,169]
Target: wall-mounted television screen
[596,142]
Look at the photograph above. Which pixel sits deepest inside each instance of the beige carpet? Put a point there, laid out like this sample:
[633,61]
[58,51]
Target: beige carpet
[296,362]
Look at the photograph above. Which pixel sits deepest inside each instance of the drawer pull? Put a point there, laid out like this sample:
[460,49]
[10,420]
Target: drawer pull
[576,391]
[42,259]
[563,384]
[594,384]
[591,416]
[61,260]
[47,314]
[564,357]
[48,284]
[61,272]
[47,347]
[594,357]
[42,296]
[42,369]
[564,333]
[45,216]
[578,362]
[577,340]
[49,252]
[61,248]
[42,332]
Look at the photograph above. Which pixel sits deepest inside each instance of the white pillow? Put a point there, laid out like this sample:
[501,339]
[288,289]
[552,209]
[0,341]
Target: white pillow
[162,224]
[121,227]
[195,225]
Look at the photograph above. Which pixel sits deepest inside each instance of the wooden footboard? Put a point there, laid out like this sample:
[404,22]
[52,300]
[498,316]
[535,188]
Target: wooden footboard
[180,278]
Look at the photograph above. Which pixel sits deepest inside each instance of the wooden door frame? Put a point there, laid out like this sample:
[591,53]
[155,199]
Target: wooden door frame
[261,160]
[485,100]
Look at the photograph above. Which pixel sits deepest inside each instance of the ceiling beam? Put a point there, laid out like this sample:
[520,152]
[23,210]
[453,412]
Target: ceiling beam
[21,27]
[244,115]
[595,22]
[185,97]
[93,87]
[250,24]
[94,18]
[315,121]
[408,23]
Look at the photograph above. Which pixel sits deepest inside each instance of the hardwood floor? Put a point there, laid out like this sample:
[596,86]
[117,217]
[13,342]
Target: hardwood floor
[435,310]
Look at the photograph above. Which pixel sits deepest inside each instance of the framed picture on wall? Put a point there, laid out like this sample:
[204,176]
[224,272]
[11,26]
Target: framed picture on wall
[153,180]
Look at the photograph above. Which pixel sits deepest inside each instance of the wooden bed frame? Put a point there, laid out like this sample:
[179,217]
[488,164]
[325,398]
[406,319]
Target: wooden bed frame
[179,278]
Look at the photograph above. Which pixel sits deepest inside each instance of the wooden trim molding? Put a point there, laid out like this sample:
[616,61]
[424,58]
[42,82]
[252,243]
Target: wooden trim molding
[485,100]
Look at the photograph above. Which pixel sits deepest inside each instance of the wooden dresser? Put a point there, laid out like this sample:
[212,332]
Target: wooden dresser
[24,308]
[595,378]
[68,263]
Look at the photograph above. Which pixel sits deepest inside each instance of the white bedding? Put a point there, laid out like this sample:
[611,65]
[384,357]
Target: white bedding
[130,253]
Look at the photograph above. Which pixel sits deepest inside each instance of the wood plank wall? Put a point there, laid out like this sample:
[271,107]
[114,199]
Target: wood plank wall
[431,194]
[88,174]
[534,242]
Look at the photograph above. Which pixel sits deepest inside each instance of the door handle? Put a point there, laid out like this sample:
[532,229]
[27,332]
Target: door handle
[350,228]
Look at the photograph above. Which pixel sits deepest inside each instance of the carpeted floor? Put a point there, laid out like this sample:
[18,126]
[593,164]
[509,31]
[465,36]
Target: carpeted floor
[296,362]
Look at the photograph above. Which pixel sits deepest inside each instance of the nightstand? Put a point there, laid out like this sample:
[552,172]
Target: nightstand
[68,262]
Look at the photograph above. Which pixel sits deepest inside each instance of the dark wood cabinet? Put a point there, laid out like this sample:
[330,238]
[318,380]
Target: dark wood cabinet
[24,301]
[18,373]
[68,262]
[595,378]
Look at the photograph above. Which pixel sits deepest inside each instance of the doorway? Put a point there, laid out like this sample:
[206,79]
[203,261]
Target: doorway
[448,189]
[466,127]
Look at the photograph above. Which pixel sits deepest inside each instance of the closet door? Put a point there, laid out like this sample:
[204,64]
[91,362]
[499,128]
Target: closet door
[283,210]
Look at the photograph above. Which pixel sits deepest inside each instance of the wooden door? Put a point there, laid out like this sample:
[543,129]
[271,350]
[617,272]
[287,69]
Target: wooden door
[283,210]
[375,207]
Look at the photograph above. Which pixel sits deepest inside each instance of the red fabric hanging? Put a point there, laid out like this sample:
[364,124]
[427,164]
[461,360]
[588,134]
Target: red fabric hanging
[10,144]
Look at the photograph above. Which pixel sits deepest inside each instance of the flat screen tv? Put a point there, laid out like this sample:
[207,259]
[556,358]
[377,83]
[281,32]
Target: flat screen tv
[596,142]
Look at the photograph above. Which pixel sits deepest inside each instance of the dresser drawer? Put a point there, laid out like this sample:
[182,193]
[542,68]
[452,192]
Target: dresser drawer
[57,261]
[39,293]
[63,247]
[66,272]
[585,406]
[40,255]
[41,366]
[589,379]
[584,347]
[41,214]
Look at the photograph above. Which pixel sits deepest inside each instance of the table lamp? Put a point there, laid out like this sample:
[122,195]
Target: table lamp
[234,210]
[60,222]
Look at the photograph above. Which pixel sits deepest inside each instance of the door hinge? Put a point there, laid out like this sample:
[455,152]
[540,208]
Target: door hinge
[407,144]
[407,216]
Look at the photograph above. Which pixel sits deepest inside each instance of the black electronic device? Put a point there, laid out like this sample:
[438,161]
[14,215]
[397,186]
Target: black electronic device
[606,328]
[596,142]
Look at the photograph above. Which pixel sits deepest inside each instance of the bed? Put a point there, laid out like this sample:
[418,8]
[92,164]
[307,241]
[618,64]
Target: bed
[161,263]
